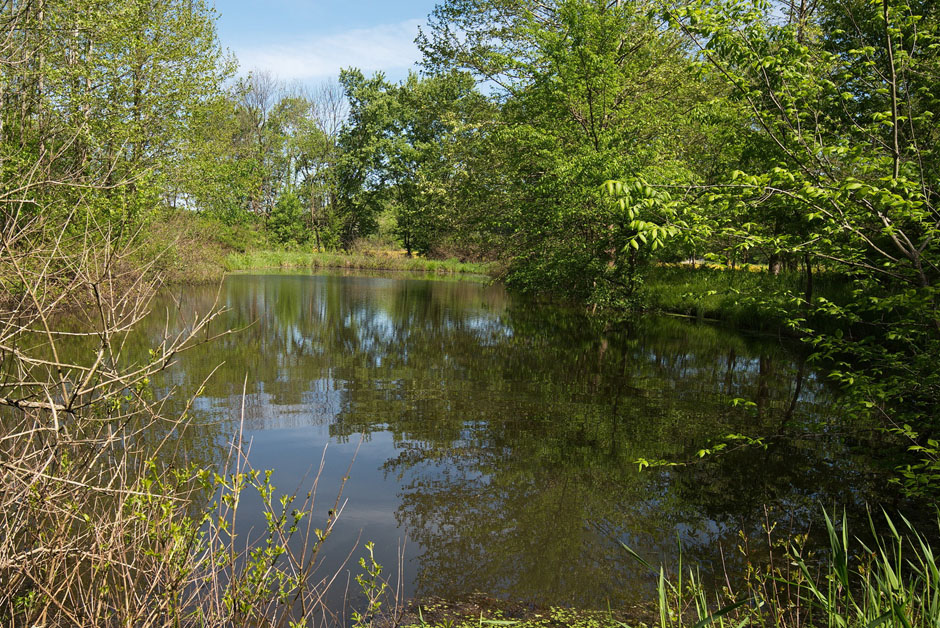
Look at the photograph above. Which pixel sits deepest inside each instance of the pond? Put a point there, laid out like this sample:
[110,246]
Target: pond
[500,437]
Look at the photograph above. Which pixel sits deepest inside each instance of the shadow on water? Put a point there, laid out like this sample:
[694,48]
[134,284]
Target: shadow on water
[502,436]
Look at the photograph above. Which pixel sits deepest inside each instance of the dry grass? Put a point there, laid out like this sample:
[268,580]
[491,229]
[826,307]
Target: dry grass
[102,522]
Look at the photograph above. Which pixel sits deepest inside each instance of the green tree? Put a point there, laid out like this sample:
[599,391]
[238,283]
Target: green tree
[288,222]
[104,95]
[317,153]
[425,167]
[363,142]
[589,91]
[218,176]
[847,99]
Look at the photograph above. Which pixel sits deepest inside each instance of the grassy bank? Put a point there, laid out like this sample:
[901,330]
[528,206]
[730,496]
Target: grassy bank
[747,299]
[367,260]
[189,248]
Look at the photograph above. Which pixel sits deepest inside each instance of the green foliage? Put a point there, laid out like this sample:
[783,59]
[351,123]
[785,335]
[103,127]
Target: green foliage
[100,99]
[843,101]
[373,587]
[260,143]
[218,180]
[189,247]
[588,92]
[362,140]
[288,222]
[200,541]
[426,174]
[923,476]
[748,298]
[398,155]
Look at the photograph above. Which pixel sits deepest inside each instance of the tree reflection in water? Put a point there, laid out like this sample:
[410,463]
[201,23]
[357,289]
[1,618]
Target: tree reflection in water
[505,432]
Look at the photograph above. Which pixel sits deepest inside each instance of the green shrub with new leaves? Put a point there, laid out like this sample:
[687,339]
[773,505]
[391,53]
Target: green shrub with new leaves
[289,223]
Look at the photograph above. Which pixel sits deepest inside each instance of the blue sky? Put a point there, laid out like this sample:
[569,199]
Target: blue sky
[310,40]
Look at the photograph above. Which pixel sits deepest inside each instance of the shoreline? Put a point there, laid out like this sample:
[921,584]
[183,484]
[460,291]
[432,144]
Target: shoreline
[379,261]
[481,609]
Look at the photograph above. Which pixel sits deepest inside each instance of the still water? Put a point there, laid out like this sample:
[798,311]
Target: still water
[500,436]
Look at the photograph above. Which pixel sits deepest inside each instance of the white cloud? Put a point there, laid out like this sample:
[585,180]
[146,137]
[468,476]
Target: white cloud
[385,47]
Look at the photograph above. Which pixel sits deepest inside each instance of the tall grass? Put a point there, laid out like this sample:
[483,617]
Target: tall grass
[891,582]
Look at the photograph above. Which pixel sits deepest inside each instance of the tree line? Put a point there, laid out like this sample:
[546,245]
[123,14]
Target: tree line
[582,143]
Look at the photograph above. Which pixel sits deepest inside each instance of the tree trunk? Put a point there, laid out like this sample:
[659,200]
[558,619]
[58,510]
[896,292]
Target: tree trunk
[774,265]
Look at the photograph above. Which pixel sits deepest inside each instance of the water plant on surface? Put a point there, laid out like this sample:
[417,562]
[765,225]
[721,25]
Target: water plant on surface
[441,615]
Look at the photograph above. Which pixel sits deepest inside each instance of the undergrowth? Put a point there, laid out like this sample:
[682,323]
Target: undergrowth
[743,298]
[185,247]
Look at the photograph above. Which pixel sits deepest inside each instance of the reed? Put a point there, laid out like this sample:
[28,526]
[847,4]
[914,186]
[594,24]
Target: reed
[893,581]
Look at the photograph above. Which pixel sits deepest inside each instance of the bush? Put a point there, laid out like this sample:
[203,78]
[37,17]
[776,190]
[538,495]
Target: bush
[105,521]
[288,222]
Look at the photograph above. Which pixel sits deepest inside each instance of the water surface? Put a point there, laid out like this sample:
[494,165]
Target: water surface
[500,436]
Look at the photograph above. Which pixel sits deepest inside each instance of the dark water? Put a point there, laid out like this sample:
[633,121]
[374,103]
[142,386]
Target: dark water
[501,436]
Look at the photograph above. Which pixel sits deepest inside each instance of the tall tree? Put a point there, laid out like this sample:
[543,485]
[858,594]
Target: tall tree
[589,91]
[362,142]
[320,157]
[106,93]
[426,165]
